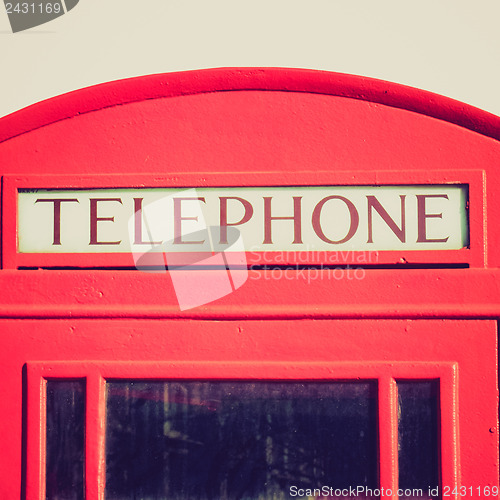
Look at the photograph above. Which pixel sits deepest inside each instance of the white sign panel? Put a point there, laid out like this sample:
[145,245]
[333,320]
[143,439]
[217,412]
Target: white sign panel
[295,218]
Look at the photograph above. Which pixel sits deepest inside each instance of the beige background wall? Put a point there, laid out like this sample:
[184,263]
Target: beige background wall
[451,47]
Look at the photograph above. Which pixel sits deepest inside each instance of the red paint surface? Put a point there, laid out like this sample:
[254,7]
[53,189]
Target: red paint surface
[254,127]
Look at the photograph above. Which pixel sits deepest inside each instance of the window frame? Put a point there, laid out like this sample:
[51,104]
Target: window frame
[95,374]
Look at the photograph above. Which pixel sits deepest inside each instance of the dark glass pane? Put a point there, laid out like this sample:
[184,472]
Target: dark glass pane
[65,440]
[238,440]
[418,434]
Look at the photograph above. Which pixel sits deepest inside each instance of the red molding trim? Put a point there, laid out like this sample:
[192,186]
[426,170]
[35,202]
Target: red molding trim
[382,294]
[165,85]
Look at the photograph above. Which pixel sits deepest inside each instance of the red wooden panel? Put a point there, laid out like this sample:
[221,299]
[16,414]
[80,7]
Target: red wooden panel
[254,127]
[288,124]
[262,349]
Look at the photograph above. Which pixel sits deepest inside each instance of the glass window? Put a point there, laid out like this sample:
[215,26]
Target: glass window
[418,434]
[238,440]
[65,426]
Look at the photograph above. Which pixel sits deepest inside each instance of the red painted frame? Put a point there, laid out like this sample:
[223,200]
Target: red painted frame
[95,375]
[474,256]
[100,323]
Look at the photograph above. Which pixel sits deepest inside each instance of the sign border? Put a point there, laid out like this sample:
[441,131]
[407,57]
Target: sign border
[474,256]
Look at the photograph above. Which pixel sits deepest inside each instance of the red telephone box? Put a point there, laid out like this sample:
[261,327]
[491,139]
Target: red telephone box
[249,284]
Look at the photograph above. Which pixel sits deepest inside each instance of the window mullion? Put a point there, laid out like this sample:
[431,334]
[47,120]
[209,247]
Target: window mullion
[95,434]
[388,434]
